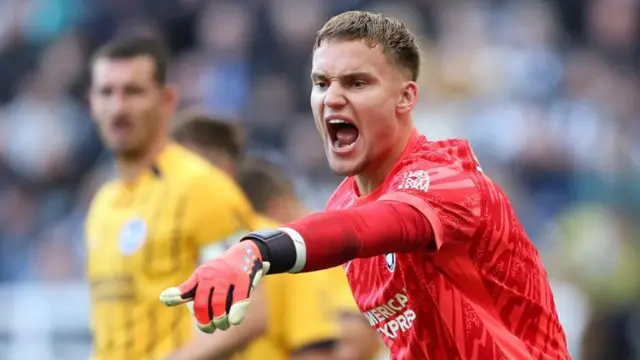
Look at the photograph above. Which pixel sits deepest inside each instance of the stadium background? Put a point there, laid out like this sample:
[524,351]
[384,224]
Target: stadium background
[547,92]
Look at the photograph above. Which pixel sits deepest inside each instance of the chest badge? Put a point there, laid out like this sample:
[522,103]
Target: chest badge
[133,235]
[390,259]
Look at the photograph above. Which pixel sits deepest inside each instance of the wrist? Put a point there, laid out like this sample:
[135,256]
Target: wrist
[283,248]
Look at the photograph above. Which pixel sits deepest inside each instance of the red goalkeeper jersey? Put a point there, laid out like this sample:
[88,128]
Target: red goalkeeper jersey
[479,291]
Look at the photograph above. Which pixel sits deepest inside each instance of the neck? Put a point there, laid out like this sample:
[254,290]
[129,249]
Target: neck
[130,168]
[370,178]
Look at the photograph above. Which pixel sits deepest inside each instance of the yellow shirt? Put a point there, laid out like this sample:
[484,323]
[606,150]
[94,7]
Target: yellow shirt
[299,314]
[341,298]
[145,236]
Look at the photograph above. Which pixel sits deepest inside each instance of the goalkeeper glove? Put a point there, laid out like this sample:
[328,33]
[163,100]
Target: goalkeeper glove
[220,288]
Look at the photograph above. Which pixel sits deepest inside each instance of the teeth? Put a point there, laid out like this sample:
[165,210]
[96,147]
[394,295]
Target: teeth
[337,121]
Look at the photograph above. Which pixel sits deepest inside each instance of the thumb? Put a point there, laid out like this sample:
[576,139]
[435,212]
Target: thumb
[181,294]
[238,310]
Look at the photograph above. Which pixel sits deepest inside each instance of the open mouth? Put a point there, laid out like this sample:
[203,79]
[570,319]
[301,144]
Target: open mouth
[343,134]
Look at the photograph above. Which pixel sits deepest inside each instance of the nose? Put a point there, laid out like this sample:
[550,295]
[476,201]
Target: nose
[118,103]
[334,97]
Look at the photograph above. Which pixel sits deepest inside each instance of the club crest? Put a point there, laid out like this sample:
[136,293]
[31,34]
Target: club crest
[132,236]
[390,259]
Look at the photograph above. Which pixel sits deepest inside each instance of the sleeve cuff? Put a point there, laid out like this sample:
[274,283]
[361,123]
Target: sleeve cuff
[301,249]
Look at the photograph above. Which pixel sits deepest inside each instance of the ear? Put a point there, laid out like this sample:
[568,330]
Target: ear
[409,98]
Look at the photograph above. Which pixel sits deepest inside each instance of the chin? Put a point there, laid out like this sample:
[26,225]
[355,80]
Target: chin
[126,152]
[345,167]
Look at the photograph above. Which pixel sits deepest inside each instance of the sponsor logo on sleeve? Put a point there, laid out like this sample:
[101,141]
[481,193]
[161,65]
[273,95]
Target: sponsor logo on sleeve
[415,180]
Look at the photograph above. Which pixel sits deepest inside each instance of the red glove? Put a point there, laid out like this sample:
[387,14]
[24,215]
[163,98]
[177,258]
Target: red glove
[220,288]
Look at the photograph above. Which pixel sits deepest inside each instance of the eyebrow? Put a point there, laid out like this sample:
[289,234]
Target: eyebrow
[350,75]
[317,75]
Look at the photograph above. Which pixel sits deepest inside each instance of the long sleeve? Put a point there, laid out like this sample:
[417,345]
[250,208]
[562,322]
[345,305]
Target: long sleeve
[335,237]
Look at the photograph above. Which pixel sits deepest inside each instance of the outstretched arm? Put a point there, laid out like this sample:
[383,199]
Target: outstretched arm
[328,239]
[220,289]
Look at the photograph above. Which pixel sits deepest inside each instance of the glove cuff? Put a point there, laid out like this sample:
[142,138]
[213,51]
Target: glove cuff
[277,248]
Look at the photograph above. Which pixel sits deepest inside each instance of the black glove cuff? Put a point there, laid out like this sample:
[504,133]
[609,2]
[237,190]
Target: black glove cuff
[276,247]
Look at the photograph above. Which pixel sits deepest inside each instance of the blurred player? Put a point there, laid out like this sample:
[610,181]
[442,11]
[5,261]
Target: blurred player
[435,255]
[146,229]
[300,325]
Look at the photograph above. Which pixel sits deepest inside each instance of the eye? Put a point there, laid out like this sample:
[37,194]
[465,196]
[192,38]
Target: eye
[134,90]
[358,84]
[105,91]
[320,84]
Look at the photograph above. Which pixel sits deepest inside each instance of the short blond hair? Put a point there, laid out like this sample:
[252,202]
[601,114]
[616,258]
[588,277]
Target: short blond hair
[395,40]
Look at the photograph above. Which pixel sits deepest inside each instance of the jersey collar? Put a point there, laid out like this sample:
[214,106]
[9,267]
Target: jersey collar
[157,168]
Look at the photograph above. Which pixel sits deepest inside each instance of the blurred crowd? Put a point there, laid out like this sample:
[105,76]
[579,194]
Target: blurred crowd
[548,93]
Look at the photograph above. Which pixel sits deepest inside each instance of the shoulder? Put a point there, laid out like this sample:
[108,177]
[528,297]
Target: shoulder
[444,182]
[196,174]
[442,165]
[452,155]
[104,195]
[101,203]
[213,180]
[184,165]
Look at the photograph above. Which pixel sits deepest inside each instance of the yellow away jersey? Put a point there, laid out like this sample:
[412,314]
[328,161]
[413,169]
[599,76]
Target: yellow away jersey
[299,314]
[145,236]
[341,298]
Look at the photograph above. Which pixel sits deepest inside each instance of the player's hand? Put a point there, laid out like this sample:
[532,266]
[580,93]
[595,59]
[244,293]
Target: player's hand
[220,288]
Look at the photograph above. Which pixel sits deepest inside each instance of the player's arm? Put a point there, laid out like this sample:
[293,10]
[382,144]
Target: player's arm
[332,238]
[220,289]
[407,218]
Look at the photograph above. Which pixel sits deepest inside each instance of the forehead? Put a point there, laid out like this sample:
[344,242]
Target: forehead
[139,68]
[339,57]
